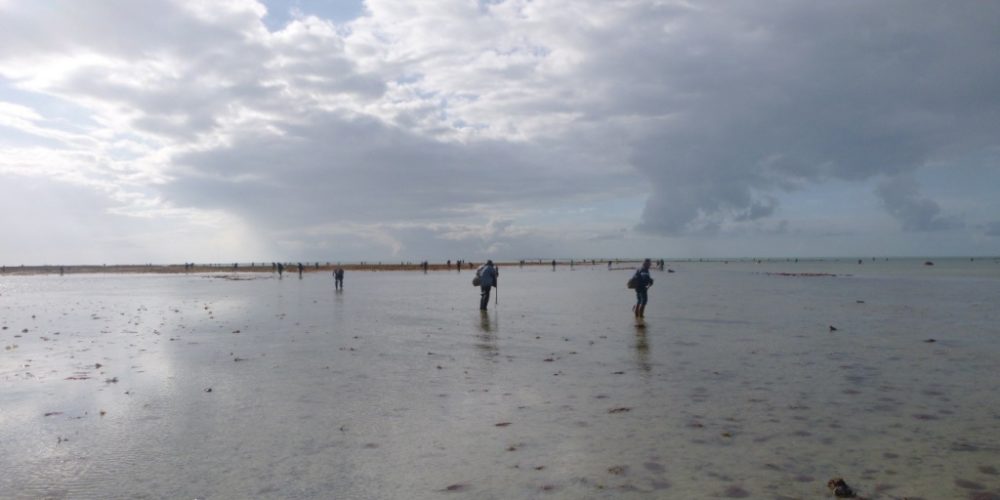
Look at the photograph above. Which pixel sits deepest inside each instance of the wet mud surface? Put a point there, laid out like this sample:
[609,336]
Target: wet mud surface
[189,386]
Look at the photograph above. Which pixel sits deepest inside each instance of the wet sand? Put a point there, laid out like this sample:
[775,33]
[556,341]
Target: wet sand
[206,386]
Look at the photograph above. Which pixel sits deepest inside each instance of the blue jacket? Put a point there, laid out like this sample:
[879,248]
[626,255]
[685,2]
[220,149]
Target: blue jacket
[642,278]
[487,275]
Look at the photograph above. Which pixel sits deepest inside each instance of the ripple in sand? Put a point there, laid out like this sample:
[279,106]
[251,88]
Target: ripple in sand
[455,488]
[735,492]
[969,485]
[654,467]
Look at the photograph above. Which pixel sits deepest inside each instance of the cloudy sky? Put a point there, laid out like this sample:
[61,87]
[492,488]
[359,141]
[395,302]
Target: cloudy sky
[238,130]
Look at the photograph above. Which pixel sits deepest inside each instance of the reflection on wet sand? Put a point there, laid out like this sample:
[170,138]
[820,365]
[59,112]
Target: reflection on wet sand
[642,349]
[487,337]
[188,386]
[484,321]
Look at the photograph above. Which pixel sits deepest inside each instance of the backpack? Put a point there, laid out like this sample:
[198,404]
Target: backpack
[631,283]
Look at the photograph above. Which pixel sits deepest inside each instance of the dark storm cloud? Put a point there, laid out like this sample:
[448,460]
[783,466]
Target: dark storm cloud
[764,97]
[325,168]
[993,228]
[902,200]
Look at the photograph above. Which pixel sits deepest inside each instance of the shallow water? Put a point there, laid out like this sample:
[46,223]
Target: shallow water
[394,388]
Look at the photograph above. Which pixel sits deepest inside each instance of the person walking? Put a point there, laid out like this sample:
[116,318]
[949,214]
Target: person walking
[338,278]
[487,279]
[642,283]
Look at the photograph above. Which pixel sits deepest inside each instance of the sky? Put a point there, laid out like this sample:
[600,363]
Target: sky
[170,131]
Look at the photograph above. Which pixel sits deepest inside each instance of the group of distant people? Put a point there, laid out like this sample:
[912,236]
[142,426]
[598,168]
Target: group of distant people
[488,275]
[338,273]
[459,264]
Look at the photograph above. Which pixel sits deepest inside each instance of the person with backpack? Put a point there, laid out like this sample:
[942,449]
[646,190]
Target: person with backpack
[642,281]
[487,275]
[338,278]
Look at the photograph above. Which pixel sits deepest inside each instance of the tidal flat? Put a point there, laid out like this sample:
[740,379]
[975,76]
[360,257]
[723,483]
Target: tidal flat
[242,385]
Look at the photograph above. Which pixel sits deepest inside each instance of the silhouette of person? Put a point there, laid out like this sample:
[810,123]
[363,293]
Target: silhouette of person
[487,280]
[338,278]
[642,284]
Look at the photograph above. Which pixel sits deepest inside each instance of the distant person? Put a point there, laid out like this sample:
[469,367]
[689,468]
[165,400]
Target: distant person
[609,265]
[553,264]
[338,278]
[301,268]
[642,283]
[281,270]
[487,279]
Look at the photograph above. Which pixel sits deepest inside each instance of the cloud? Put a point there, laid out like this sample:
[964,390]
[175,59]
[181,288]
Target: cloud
[993,228]
[722,107]
[609,235]
[768,99]
[423,125]
[326,168]
[902,200]
[179,70]
[48,221]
